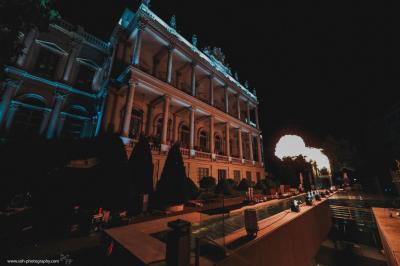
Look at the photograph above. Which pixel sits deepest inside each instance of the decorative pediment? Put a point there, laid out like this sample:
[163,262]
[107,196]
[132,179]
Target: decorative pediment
[52,46]
[88,62]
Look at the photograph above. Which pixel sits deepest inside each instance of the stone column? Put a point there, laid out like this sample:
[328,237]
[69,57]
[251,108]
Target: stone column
[169,63]
[228,150]
[128,108]
[239,130]
[251,146]
[10,90]
[211,90]
[226,99]
[167,101]
[238,105]
[191,122]
[256,116]
[259,149]
[59,99]
[248,112]
[60,125]
[10,116]
[212,134]
[193,80]
[28,41]
[138,44]
[45,120]
[76,48]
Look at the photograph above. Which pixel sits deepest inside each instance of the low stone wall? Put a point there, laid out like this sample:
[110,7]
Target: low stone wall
[292,240]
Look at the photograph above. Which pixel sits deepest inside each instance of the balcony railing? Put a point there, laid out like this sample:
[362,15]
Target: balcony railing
[204,155]
[185,151]
[155,147]
[248,162]
[222,158]
[236,160]
[360,215]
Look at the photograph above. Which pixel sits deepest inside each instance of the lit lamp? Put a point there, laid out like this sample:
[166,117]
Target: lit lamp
[294,206]
[309,199]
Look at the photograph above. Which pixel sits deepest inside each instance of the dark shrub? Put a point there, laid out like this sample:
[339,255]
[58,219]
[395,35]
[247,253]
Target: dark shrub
[192,189]
[231,182]
[261,185]
[243,185]
[207,182]
[223,187]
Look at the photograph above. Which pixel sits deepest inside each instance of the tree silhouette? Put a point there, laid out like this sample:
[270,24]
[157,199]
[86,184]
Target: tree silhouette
[112,173]
[140,167]
[223,187]
[172,187]
[207,182]
[243,185]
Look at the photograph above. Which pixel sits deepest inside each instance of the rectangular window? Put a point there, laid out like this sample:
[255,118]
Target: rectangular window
[236,176]
[248,176]
[221,173]
[258,176]
[46,64]
[85,77]
[202,172]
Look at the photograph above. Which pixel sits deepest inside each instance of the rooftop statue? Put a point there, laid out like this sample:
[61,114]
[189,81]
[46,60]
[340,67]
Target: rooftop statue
[172,22]
[194,40]
[146,3]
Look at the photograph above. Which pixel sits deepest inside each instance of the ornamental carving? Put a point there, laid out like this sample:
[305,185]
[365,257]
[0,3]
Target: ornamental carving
[172,22]
[215,52]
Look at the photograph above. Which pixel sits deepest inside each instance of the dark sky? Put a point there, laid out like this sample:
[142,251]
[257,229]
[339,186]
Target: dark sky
[319,67]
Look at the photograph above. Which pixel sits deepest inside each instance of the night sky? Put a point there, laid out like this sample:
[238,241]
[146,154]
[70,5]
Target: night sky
[319,67]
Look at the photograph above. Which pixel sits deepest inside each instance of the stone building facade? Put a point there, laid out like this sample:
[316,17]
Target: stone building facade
[57,86]
[148,80]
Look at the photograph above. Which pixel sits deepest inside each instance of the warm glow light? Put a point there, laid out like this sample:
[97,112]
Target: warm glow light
[316,155]
[293,146]
[289,146]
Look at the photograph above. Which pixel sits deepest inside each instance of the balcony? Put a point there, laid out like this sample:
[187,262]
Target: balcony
[197,153]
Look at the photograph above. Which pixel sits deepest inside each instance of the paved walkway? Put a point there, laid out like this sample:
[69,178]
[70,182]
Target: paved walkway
[389,230]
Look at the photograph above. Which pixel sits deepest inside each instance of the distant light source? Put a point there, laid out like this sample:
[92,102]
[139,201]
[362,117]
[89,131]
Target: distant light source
[293,146]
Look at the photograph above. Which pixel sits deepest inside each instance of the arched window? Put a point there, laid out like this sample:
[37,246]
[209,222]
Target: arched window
[136,123]
[159,128]
[169,130]
[184,136]
[203,140]
[218,144]
[29,116]
[159,125]
[231,147]
[74,123]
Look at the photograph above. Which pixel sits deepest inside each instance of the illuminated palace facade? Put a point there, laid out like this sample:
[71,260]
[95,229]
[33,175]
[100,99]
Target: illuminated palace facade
[146,80]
